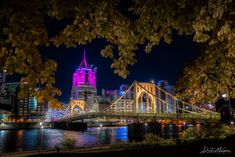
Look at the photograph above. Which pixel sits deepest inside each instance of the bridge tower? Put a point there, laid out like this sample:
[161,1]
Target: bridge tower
[144,99]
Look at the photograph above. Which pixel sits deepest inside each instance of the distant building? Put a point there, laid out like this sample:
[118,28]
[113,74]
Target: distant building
[2,87]
[84,85]
[31,109]
[5,99]
[103,105]
[2,81]
[25,109]
[11,89]
[111,95]
[164,84]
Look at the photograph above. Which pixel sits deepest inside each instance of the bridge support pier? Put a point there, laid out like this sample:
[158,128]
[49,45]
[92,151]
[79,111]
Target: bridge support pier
[70,125]
[136,131]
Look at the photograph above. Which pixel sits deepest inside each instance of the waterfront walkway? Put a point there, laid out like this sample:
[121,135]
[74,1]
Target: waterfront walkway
[225,148]
[53,151]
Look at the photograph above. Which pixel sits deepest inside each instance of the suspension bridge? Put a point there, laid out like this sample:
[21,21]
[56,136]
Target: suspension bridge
[141,101]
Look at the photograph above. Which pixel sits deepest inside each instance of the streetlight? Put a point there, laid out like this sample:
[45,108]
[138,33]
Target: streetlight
[231,126]
[184,125]
[41,135]
[226,97]
[227,114]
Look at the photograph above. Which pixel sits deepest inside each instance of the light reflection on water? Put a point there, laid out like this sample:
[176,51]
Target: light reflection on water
[15,140]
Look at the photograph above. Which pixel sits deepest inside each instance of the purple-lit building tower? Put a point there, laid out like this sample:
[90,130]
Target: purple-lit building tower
[84,74]
[84,83]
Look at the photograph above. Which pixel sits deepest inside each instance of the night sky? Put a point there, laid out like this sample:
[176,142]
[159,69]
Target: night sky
[165,62]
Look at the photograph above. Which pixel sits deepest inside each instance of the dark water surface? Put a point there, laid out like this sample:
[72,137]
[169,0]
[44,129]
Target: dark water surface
[17,140]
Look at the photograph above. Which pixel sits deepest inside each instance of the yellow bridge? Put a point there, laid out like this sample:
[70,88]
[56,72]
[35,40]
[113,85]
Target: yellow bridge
[143,101]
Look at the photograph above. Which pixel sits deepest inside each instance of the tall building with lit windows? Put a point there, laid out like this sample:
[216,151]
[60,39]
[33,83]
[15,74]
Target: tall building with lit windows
[30,109]
[27,107]
[2,81]
[84,84]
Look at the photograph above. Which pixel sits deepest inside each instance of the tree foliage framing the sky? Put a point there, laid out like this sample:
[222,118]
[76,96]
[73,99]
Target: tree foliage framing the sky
[211,22]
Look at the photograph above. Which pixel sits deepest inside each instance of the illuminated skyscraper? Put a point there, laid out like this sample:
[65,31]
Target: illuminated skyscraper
[84,74]
[84,83]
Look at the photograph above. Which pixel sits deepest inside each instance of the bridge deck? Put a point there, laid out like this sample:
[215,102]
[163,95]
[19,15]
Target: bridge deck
[126,115]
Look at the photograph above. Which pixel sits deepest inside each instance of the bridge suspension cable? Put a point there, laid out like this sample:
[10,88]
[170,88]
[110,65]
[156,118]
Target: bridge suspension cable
[186,103]
[123,95]
[176,100]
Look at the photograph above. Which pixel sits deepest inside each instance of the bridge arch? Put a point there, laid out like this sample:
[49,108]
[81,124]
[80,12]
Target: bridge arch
[145,102]
[144,97]
[80,104]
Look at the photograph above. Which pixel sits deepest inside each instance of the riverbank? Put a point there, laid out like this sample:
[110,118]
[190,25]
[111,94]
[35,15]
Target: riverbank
[224,147]
[24,125]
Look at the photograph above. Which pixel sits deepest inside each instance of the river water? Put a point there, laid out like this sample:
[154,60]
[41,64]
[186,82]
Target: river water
[25,140]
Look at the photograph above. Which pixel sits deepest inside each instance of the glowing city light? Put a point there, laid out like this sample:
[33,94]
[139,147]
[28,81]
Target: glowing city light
[225,95]
[55,114]
[121,93]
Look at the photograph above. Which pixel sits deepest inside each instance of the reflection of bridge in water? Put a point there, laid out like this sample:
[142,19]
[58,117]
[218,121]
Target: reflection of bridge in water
[142,101]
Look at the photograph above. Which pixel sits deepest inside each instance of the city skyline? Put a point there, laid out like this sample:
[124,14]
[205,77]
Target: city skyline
[162,56]
[69,59]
